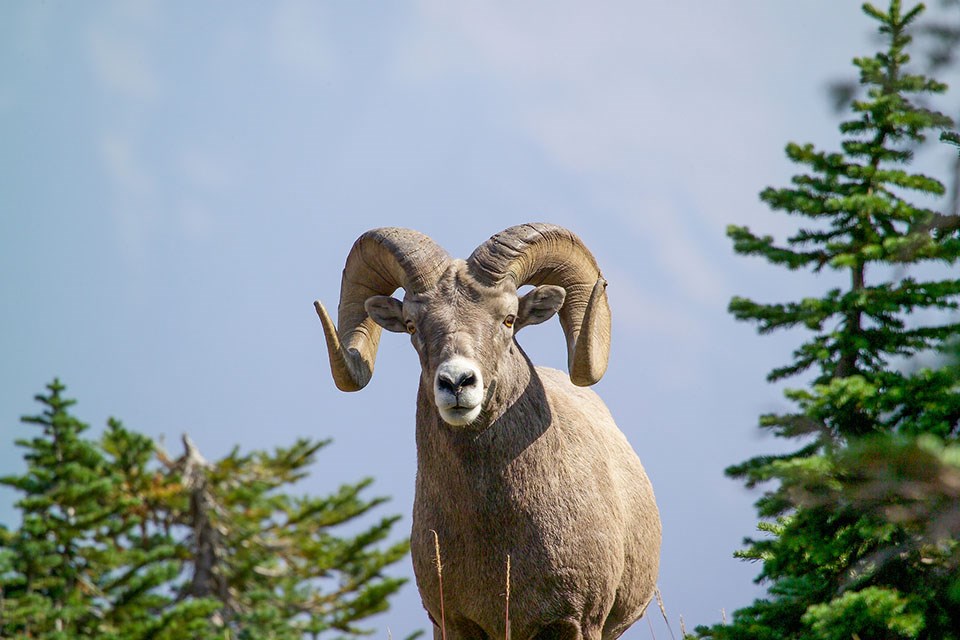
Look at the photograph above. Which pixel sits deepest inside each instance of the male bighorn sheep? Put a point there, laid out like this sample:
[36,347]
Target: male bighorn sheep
[512,459]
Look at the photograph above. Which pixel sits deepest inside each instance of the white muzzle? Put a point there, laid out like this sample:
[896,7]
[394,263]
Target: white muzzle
[458,391]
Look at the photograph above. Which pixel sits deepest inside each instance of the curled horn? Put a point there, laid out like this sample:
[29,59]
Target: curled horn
[542,253]
[380,261]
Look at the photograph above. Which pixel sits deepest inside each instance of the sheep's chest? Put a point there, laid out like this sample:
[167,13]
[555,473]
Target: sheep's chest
[485,509]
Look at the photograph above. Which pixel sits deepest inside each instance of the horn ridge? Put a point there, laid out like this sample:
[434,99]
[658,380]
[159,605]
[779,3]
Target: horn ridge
[380,261]
[542,253]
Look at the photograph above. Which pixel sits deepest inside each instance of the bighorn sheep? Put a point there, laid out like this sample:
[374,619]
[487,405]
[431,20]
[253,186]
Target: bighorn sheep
[512,459]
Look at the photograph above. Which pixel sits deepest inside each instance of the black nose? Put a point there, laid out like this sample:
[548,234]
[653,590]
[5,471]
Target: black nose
[455,386]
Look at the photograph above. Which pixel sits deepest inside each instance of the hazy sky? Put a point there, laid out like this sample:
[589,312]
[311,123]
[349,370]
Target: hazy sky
[180,180]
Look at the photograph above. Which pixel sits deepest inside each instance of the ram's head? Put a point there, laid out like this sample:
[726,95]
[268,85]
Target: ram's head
[462,315]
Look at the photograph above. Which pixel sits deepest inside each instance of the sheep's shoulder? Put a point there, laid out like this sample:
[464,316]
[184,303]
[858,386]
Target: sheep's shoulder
[577,410]
[589,448]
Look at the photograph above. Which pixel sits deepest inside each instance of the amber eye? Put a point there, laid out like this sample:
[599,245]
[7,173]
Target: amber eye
[411,328]
[508,321]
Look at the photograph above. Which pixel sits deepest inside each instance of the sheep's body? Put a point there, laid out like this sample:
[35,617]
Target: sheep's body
[556,486]
[512,460]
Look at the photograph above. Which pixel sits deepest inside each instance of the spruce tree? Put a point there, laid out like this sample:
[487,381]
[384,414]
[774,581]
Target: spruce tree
[270,558]
[119,541]
[70,570]
[842,556]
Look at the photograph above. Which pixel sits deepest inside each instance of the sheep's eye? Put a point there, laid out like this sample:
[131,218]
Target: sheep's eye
[508,321]
[411,328]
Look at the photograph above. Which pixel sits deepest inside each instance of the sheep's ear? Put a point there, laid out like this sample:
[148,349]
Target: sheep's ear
[539,305]
[386,312]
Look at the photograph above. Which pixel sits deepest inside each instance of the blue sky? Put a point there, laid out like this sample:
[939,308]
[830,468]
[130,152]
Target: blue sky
[179,181]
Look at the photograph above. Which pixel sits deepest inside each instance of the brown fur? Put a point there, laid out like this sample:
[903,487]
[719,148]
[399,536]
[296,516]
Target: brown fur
[543,475]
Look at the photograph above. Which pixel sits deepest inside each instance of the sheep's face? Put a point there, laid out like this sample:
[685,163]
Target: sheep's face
[463,331]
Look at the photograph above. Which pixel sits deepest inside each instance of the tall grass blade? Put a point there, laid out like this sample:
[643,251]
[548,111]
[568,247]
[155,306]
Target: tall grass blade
[651,628]
[663,612]
[506,624]
[443,620]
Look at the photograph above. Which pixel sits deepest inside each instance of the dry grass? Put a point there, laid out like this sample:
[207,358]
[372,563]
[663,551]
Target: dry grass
[506,594]
[663,612]
[443,619]
[506,623]
[684,634]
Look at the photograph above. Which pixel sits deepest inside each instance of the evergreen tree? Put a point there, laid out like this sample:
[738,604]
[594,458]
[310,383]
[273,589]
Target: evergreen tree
[120,541]
[68,570]
[938,38]
[268,557]
[846,553]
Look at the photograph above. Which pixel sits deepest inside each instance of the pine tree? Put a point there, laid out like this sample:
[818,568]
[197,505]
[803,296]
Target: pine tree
[152,546]
[938,39]
[119,541]
[841,558]
[264,554]
[69,571]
